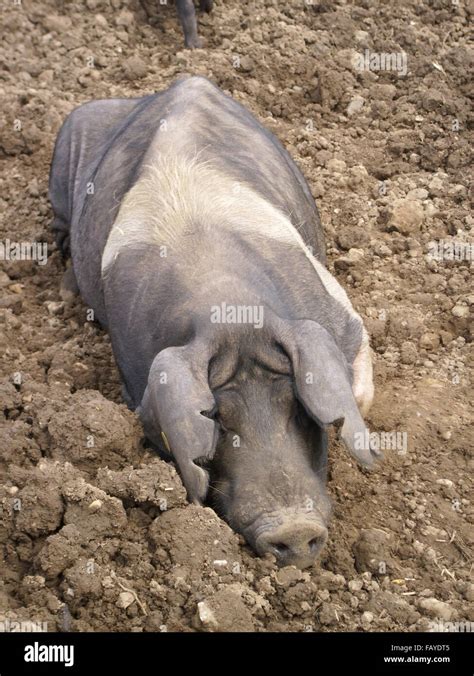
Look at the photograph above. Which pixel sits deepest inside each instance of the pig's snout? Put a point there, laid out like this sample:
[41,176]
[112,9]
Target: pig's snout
[296,542]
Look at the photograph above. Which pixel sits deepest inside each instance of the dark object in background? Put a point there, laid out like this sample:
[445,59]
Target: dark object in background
[187,16]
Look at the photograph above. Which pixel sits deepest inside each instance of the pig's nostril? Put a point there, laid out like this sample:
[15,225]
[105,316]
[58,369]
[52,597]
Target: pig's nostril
[315,544]
[296,541]
[281,549]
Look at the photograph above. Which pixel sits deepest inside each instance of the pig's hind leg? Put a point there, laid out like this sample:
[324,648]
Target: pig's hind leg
[61,235]
[68,288]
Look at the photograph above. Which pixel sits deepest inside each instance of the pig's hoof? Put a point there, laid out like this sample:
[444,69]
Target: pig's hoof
[193,43]
[127,398]
[68,288]
[61,234]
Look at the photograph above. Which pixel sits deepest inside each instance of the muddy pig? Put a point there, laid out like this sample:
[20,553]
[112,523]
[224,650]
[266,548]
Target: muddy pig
[195,239]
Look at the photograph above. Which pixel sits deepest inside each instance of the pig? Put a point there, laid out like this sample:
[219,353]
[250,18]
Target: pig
[197,243]
[187,17]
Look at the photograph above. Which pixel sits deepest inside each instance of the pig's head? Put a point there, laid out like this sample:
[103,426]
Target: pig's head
[252,430]
[268,473]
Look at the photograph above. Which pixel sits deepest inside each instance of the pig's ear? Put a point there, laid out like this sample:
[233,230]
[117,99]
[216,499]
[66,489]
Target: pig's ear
[176,397]
[323,384]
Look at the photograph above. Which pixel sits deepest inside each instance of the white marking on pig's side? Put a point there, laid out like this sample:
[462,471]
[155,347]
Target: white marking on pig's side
[362,386]
[176,195]
[170,199]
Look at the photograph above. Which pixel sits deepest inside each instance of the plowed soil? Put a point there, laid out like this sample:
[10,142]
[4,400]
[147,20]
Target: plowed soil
[95,530]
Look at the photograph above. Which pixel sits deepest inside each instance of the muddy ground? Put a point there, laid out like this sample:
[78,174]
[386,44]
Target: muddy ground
[95,531]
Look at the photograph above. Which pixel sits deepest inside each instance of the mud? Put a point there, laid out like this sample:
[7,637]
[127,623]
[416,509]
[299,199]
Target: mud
[95,531]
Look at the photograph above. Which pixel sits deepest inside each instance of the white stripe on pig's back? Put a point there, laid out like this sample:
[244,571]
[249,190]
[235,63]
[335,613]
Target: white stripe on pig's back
[175,195]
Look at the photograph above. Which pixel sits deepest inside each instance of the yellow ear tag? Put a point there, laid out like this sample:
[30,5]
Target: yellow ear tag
[165,441]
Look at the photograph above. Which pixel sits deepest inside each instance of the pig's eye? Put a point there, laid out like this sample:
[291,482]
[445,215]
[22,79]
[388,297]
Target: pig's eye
[222,428]
[301,417]
[211,413]
[203,462]
[215,415]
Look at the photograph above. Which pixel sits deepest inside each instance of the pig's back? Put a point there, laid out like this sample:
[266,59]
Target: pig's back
[190,124]
[203,123]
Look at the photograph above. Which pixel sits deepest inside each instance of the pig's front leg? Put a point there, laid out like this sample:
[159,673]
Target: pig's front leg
[187,16]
